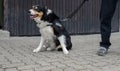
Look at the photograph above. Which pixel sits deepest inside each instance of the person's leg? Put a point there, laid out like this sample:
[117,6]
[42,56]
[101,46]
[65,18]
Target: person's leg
[106,13]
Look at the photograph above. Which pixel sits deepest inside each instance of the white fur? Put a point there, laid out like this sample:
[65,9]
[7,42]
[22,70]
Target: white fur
[49,11]
[58,24]
[47,32]
[32,12]
[47,36]
[63,44]
[40,45]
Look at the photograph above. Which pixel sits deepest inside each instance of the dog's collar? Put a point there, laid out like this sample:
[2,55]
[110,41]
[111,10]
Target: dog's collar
[42,25]
[49,25]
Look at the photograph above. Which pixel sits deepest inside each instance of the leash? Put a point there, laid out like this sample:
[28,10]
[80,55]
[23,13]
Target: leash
[74,12]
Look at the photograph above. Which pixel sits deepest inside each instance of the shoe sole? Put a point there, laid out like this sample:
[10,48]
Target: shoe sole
[101,54]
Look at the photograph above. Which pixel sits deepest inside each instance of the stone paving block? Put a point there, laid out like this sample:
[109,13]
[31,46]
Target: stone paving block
[53,60]
[28,62]
[43,63]
[100,64]
[14,60]
[75,66]
[12,65]
[59,65]
[45,68]
[26,67]
[2,58]
[1,48]
[57,69]
[28,70]
[92,68]
[70,69]
[6,53]
[111,68]
[11,69]
[4,62]
[1,69]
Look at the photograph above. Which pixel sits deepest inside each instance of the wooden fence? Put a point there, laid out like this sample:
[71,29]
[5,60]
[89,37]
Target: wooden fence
[86,21]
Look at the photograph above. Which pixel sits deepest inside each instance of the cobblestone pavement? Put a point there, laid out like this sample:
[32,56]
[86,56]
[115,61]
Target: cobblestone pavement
[16,55]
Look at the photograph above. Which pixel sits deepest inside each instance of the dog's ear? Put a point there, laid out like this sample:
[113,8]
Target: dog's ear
[35,6]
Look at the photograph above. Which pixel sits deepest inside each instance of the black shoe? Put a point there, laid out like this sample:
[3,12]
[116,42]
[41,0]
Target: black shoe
[102,51]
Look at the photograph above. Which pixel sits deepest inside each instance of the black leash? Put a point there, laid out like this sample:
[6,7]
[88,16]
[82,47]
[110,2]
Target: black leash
[75,11]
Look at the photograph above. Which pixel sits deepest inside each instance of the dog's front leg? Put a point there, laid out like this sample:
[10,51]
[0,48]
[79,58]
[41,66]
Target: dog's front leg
[63,44]
[40,45]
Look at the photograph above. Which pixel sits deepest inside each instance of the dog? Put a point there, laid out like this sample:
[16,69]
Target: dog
[53,33]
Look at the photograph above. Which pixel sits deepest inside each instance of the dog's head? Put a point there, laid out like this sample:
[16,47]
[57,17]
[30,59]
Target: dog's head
[43,13]
[37,12]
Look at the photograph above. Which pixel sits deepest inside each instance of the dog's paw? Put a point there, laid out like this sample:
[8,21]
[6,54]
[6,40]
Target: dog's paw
[50,49]
[65,52]
[36,50]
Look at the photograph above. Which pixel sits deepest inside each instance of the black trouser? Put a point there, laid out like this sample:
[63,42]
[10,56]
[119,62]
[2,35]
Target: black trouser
[106,13]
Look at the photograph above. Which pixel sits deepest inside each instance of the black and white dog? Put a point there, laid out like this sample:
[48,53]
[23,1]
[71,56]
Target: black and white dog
[53,33]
